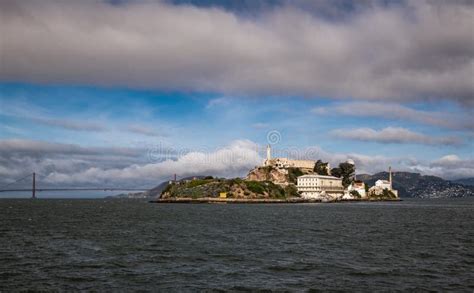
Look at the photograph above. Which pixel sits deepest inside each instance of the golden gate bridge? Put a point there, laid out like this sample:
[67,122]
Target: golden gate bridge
[35,189]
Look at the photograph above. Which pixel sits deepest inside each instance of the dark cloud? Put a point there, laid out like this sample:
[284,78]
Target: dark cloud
[144,130]
[69,124]
[39,115]
[369,50]
[455,121]
[9,147]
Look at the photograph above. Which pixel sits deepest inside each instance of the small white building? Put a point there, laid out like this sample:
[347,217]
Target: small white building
[358,186]
[319,186]
[381,185]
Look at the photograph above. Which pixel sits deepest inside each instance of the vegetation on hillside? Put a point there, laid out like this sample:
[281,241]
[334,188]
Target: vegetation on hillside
[385,194]
[234,188]
[293,174]
[355,194]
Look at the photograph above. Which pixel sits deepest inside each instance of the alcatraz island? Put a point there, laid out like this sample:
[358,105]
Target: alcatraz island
[282,180]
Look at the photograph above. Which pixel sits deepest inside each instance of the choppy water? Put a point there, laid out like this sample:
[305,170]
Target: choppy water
[128,245]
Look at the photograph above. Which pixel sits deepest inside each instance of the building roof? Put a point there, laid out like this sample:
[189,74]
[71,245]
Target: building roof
[319,176]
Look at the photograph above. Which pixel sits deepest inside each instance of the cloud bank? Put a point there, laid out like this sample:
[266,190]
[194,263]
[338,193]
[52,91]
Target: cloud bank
[418,50]
[459,121]
[67,165]
[74,165]
[393,135]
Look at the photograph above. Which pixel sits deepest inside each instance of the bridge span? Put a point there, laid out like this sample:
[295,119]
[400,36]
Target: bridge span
[34,189]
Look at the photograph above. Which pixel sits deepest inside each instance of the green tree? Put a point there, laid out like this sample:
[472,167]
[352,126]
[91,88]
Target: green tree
[291,191]
[355,193]
[321,168]
[293,174]
[345,171]
[336,172]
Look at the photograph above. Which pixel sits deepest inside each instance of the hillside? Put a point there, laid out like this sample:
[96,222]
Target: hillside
[154,192]
[234,188]
[464,181]
[417,185]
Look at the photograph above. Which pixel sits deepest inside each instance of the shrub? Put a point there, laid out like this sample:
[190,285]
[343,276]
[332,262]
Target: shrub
[167,188]
[388,193]
[235,181]
[291,191]
[293,174]
[274,190]
[255,187]
[355,193]
[197,182]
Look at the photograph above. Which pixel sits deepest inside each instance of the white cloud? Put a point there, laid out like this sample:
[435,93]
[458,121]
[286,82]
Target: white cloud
[452,162]
[222,101]
[72,165]
[261,125]
[449,166]
[393,135]
[421,50]
[233,160]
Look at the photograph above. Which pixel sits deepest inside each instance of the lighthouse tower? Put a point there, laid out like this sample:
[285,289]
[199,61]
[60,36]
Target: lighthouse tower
[269,152]
[390,177]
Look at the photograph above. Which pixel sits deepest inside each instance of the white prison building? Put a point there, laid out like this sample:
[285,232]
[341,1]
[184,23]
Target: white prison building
[314,186]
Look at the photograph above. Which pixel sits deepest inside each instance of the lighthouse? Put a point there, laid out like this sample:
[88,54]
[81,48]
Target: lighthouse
[269,152]
[390,177]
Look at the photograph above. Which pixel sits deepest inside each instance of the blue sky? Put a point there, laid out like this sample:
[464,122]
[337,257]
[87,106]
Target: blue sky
[193,120]
[201,79]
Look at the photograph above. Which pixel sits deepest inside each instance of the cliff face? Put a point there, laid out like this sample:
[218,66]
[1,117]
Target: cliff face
[277,176]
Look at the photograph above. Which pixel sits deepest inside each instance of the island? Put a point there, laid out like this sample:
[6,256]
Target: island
[281,180]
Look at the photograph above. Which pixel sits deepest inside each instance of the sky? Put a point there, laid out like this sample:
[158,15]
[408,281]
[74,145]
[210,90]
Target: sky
[127,93]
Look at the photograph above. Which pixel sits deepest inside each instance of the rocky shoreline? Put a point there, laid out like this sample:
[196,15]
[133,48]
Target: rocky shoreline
[260,200]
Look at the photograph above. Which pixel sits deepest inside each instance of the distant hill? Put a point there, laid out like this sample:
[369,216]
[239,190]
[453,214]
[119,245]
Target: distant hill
[465,181]
[422,186]
[154,192]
